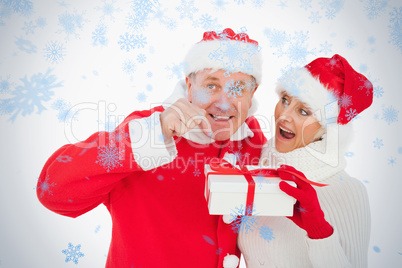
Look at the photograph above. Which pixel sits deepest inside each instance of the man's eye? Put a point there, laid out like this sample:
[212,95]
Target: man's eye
[211,86]
[304,112]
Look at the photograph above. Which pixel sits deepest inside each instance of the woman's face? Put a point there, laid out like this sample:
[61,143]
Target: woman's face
[295,124]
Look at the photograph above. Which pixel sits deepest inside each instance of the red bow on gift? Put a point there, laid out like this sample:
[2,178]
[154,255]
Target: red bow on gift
[223,167]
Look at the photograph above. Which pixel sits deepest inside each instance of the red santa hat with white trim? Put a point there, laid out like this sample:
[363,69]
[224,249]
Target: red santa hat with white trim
[225,50]
[329,86]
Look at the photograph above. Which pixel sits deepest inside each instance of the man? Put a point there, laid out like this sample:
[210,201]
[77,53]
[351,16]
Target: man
[154,186]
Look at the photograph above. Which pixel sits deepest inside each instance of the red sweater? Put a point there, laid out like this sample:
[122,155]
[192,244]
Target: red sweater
[160,216]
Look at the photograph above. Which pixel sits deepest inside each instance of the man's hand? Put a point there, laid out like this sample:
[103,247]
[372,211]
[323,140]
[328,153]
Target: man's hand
[181,117]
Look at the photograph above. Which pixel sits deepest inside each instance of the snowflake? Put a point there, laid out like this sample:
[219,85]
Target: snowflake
[315,17]
[241,222]
[258,3]
[31,94]
[141,97]
[292,80]
[266,233]
[234,88]
[29,27]
[137,22]
[326,47]
[371,40]
[64,111]
[171,24]
[201,95]
[98,35]
[5,85]
[108,157]
[350,114]
[54,52]
[330,13]
[41,22]
[390,115]
[350,43]
[24,7]
[206,21]
[374,8]
[71,22]
[108,9]
[129,67]
[25,45]
[345,100]
[282,4]
[127,42]
[144,6]
[378,143]
[260,179]
[152,122]
[141,58]
[196,172]
[44,186]
[240,2]
[177,70]
[73,253]
[396,28]
[220,4]
[276,38]
[392,161]
[306,4]
[187,9]
[235,56]
[64,158]
[149,74]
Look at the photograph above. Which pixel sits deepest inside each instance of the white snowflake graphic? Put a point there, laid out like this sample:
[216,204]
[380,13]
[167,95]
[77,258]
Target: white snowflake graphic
[73,253]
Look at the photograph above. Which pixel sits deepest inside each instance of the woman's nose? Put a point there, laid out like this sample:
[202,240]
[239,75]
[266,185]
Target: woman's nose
[287,113]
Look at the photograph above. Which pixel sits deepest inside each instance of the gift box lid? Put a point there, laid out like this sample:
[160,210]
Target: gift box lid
[238,184]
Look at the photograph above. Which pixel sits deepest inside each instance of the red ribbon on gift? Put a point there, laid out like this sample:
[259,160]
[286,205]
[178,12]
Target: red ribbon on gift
[222,167]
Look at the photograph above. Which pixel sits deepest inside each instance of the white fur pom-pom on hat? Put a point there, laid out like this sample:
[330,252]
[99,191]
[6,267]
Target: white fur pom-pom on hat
[230,261]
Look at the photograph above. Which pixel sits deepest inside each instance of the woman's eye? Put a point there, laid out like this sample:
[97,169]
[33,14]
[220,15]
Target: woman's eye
[304,112]
[285,101]
[211,86]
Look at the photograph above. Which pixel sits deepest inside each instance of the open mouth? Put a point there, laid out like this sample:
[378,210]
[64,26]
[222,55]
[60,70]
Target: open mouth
[221,118]
[287,134]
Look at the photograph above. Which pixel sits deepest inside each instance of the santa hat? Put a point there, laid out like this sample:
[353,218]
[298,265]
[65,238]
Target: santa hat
[331,87]
[227,51]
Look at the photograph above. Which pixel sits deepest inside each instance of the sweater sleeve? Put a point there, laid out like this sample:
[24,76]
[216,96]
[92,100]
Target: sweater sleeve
[78,177]
[346,208]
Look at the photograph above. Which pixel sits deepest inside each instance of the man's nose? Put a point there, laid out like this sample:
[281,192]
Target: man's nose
[223,101]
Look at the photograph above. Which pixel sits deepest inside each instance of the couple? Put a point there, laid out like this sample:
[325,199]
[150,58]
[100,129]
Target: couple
[152,181]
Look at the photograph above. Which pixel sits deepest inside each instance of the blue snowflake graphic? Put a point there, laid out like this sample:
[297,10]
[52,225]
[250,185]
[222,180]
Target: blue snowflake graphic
[306,4]
[241,222]
[5,85]
[23,7]
[282,4]
[350,114]
[137,22]
[54,52]
[331,7]
[350,43]
[144,6]
[345,100]
[41,22]
[266,233]
[73,253]
[149,74]
[141,97]
[292,80]
[371,40]
[29,27]
[64,158]
[378,143]
[31,94]
[390,114]
[196,172]
[170,24]
[109,157]
[258,3]
[151,122]
[201,95]
[187,9]
[176,70]
[130,41]
[240,2]
[325,47]
[129,67]
[220,4]
[44,186]
[64,114]
[374,8]
[71,23]
[234,88]
[207,23]
[99,35]
[392,161]
[141,58]
[378,91]
[396,27]
[277,39]
[149,87]
[315,17]
[108,9]
[25,45]
[260,179]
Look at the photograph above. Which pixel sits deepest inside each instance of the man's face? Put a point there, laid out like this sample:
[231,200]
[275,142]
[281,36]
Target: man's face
[225,99]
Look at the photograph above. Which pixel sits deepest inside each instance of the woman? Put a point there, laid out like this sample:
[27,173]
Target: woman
[330,226]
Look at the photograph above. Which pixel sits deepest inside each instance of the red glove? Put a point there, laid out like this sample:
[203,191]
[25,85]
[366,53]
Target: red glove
[307,212]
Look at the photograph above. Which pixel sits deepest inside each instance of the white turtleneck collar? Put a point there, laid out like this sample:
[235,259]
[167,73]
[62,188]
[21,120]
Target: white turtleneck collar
[317,160]
[196,135]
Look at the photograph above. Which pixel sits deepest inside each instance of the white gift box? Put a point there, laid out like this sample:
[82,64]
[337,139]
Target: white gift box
[227,194]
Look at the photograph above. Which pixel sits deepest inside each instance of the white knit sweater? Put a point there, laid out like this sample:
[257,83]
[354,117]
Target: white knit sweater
[345,205]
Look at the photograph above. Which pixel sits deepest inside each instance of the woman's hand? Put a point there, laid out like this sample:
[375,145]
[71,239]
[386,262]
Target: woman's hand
[307,212]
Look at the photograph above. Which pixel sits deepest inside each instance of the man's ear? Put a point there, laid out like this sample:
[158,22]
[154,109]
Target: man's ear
[189,87]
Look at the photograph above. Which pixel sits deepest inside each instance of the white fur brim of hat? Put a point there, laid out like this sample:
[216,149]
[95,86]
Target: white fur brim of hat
[300,83]
[230,55]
